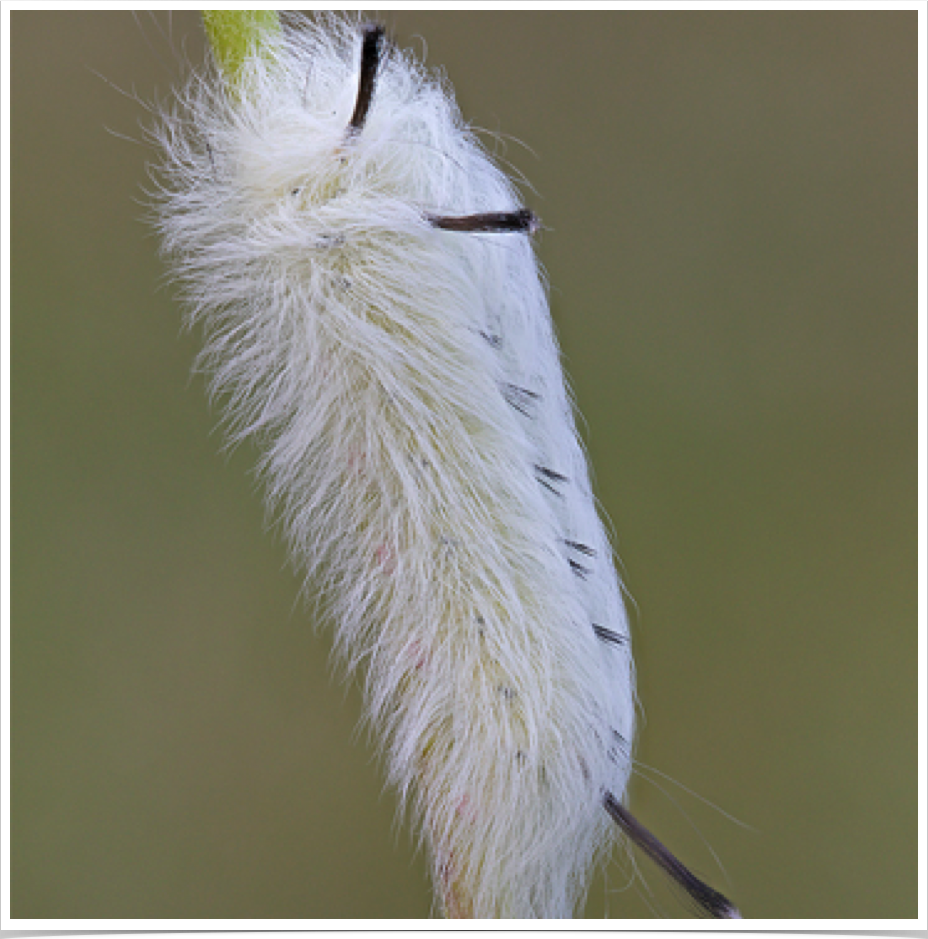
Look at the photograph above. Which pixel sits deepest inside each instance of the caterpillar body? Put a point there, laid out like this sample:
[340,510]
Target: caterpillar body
[376,319]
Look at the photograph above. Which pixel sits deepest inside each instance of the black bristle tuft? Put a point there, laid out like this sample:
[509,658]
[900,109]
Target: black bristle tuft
[550,480]
[609,635]
[578,569]
[488,223]
[709,901]
[581,548]
[372,41]
[521,399]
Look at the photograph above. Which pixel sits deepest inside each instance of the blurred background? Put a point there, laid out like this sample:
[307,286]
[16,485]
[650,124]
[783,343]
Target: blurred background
[730,211]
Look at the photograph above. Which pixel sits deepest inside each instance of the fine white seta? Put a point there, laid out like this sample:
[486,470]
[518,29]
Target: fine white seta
[376,320]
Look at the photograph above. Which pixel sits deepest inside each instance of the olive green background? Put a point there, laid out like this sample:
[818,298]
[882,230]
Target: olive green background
[730,211]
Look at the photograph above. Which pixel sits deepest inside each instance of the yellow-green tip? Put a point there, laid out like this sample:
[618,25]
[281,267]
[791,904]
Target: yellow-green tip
[235,34]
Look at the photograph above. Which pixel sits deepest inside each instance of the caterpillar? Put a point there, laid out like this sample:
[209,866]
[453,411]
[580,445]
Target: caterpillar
[376,319]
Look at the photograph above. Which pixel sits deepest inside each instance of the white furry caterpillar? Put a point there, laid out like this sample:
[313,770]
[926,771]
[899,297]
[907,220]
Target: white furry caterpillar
[376,317]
